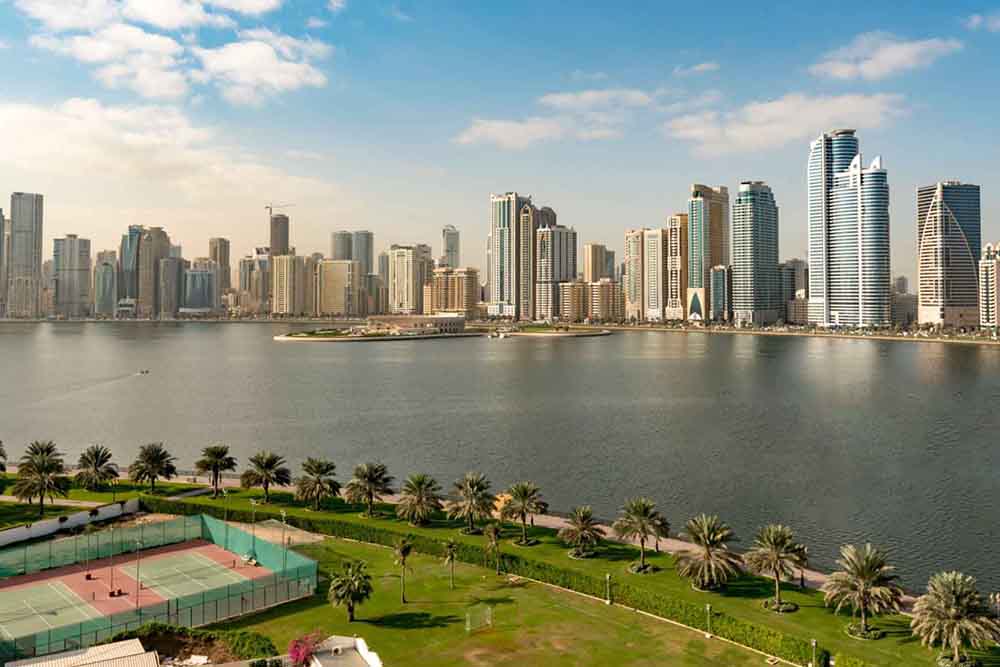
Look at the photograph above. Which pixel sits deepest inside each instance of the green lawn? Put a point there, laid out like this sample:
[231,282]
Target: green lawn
[742,599]
[15,514]
[124,490]
[533,624]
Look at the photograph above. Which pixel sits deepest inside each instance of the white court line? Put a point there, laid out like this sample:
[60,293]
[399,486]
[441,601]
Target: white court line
[81,605]
[155,586]
[190,578]
[234,577]
[6,632]
[35,612]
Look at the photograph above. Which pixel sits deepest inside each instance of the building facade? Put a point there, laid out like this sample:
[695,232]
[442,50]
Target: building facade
[848,212]
[172,277]
[71,263]
[654,274]
[105,289]
[504,263]
[989,293]
[632,276]
[279,234]
[708,244]
[128,271]
[605,301]
[218,251]
[451,244]
[555,262]
[793,275]
[721,281]
[288,285]
[454,290]
[949,238]
[675,303]
[574,301]
[24,256]
[337,287]
[756,296]
[410,267]
[595,262]
[154,245]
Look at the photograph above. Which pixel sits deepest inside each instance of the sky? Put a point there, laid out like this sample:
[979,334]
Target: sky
[403,116]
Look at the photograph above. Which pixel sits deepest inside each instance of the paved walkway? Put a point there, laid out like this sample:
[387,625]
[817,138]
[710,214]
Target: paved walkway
[59,501]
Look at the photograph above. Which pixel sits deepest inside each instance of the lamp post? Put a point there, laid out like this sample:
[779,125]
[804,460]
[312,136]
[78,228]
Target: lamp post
[607,588]
[284,547]
[111,566]
[138,578]
[253,527]
[813,663]
[225,516]
[708,621]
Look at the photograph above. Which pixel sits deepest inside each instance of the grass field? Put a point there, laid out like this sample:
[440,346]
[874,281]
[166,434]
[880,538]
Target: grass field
[742,598]
[16,514]
[124,490]
[533,624]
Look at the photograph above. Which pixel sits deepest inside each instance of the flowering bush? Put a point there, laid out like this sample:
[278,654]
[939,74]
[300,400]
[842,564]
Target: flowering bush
[301,650]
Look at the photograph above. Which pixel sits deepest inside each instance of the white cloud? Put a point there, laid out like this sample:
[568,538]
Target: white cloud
[60,15]
[4,45]
[337,5]
[689,102]
[771,124]
[289,47]
[174,14]
[128,56]
[252,7]
[591,99]
[990,22]
[512,134]
[700,68]
[314,22]
[249,71]
[877,55]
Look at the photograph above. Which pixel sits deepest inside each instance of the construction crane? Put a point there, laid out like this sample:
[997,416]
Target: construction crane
[270,208]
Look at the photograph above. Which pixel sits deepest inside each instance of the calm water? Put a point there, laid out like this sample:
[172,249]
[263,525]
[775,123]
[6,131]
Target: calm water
[843,440]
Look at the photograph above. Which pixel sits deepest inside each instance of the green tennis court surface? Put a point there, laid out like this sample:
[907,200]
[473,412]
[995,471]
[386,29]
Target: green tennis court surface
[182,574]
[31,609]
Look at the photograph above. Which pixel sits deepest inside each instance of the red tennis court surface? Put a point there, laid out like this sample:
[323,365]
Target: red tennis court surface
[166,572]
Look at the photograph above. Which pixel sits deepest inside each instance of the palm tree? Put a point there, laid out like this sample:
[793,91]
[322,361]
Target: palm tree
[865,582]
[661,531]
[776,553]
[492,533]
[639,520]
[952,613]
[3,458]
[317,482]
[450,556]
[351,587]
[94,468]
[712,564]
[474,500]
[402,550]
[582,533]
[153,462]
[420,497]
[40,474]
[525,501]
[371,481]
[266,469]
[215,460]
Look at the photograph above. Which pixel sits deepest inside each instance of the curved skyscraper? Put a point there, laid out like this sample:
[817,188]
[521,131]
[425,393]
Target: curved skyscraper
[849,274]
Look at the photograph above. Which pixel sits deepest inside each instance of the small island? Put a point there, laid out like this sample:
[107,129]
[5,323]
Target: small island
[551,331]
[387,328]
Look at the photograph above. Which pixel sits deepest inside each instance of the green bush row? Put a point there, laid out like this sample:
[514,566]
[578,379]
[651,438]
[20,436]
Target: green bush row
[243,644]
[742,632]
[842,660]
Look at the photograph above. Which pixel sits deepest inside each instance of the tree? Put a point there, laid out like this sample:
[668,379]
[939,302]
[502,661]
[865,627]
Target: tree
[776,553]
[639,520]
[450,556]
[420,497]
[712,564]
[351,587]
[41,474]
[525,501]
[153,462]
[371,481]
[94,468]
[865,582]
[266,469]
[215,460]
[492,533]
[3,458]
[402,550]
[474,501]
[317,482]
[951,613]
[582,533]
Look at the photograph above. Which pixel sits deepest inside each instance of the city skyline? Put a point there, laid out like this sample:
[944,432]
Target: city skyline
[214,152]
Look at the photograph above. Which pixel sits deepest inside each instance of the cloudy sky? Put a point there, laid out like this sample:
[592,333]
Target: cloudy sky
[401,117]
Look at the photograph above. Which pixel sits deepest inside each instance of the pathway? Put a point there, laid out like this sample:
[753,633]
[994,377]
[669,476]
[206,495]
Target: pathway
[62,502]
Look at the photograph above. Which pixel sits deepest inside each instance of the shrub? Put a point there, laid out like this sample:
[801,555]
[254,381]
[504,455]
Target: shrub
[243,644]
[301,650]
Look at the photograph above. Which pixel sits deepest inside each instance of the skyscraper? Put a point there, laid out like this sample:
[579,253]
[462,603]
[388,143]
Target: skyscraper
[989,288]
[410,267]
[172,277]
[341,245]
[595,262]
[338,287]
[153,246]
[288,284]
[451,254]
[708,244]
[128,275]
[71,264]
[676,267]
[528,224]
[793,274]
[3,264]
[362,250]
[279,234]
[949,238]
[504,261]
[633,275]
[756,295]
[555,260]
[176,251]
[383,267]
[721,280]
[848,211]
[105,288]
[24,258]
[218,251]
[654,274]
[609,264]
[209,265]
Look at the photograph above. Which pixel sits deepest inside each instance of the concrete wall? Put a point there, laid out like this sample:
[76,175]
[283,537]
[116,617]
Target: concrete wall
[75,520]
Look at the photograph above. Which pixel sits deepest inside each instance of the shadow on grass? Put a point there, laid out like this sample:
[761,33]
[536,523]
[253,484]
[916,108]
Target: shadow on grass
[413,620]
[616,552]
[748,587]
[490,601]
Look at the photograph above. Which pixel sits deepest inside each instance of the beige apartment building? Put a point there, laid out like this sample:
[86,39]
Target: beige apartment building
[595,262]
[288,285]
[606,301]
[676,272]
[153,246]
[633,277]
[452,290]
[337,287]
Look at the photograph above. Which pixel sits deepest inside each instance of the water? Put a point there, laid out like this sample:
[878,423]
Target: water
[843,440]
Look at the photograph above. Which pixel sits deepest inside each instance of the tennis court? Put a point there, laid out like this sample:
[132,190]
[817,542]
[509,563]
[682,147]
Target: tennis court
[44,606]
[177,575]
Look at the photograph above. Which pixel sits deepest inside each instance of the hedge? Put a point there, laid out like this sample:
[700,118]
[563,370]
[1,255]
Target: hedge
[842,660]
[243,644]
[742,632]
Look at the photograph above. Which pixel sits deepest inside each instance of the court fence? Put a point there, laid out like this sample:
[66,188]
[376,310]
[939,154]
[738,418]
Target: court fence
[292,576]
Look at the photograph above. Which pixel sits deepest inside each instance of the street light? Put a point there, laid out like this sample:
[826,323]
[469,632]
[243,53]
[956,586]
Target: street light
[813,663]
[253,527]
[284,547]
[225,516]
[138,579]
[607,588]
[111,567]
[708,619]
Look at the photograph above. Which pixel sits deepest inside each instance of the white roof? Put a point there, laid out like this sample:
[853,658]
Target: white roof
[128,653]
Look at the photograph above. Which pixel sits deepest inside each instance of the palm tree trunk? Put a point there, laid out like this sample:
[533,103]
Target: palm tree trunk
[777,591]
[267,492]
[864,619]
[152,484]
[402,584]
[41,505]
[956,656]
[451,583]
[472,526]
[350,612]
[642,553]
[524,531]
[498,562]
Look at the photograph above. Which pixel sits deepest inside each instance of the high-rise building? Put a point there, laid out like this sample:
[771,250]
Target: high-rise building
[24,256]
[338,287]
[555,262]
[288,285]
[209,265]
[633,275]
[848,211]
[793,275]
[451,247]
[128,271]
[900,285]
[48,301]
[172,286]
[71,264]
[454,290]
[595,262]
[676,267]
[531,220]
[708,244]
[721,280]
[154,245]
[610,266]
[504,261]
[176,251]
[410,267]
[383,267]
[201,291]
[342,245]
[362,250]
[605,300]
[756,296]
[949,238]
[989,288]
[574,301]
[105,288]
[3,264]
[279,234]
[654,274]
[218,251]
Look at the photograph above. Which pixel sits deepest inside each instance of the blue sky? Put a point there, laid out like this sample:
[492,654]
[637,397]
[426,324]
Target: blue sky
[401,117]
